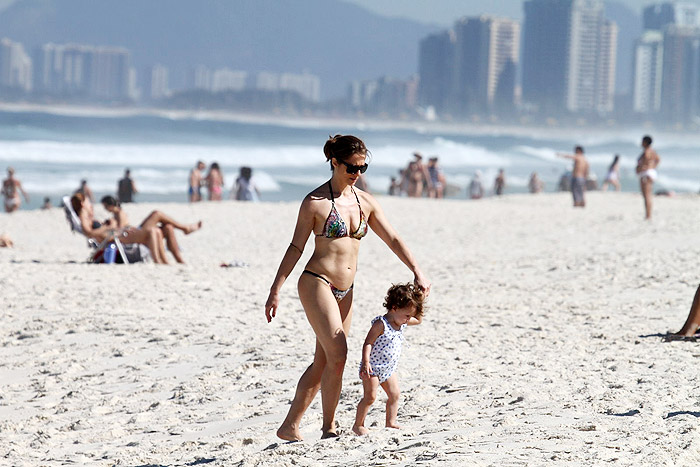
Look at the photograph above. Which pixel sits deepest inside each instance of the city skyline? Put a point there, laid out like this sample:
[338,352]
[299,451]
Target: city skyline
[450,11]
[558,62]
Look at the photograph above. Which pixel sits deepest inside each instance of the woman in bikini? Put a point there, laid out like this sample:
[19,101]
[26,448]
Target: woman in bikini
[215,182]
[338,216]
[646,169]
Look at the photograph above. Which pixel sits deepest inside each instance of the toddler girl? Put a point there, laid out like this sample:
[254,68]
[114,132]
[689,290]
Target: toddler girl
[381,351]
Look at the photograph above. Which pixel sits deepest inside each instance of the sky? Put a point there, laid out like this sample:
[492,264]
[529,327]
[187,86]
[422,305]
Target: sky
[445,12]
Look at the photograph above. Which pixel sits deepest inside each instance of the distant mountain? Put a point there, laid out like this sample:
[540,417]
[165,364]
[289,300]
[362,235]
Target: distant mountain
[335,40]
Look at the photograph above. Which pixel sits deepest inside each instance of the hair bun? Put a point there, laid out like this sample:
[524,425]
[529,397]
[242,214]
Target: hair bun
[343,146]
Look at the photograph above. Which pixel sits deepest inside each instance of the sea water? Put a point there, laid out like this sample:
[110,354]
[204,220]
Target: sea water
[51,153]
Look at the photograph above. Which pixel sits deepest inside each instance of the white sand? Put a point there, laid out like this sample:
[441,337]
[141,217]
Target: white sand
[542,340]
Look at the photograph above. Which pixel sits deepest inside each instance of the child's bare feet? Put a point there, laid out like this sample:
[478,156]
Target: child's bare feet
[393,425]
[359,430]
[193,228]
[289,433]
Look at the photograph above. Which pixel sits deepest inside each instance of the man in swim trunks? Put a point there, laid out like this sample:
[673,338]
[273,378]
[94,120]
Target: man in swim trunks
[646,169]
[11,188]
[195,189]
[578,175]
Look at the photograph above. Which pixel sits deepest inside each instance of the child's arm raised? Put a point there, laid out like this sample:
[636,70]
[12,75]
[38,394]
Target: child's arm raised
[415,320]
[375,331]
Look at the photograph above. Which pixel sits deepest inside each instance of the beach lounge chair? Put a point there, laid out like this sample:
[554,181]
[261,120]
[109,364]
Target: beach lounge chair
[129,253]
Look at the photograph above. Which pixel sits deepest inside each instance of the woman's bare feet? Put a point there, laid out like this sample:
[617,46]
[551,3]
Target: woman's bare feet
[289,433]
[393,425]
[329,435]
[687,333]
[193,228]
[359,430]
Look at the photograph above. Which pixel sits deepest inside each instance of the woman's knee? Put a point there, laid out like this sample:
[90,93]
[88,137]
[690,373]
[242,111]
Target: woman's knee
[337,350]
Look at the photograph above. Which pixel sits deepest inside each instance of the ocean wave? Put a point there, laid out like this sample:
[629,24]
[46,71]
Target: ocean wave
[680,184]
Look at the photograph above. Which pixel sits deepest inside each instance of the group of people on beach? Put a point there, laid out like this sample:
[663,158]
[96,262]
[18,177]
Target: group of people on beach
[647,163]
[418,179]
[579,180]
[244,188]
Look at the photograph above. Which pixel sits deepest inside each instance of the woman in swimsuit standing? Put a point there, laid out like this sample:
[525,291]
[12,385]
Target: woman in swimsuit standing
[646,169]
[338,215]
[215,182]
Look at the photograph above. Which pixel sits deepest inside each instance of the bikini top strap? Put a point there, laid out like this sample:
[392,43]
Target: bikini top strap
[358,199]
[330,188]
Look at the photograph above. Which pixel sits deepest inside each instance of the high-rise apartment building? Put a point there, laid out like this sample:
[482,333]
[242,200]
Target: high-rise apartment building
[569,57]
[471,69]
[606,65]
[680,92]
[225,79]
[306,84]
[485,48]
[436,70]
[658,16]
[545,55]
[648,69]
[157,84]
[109,73]
[383,96]
[15,66]
[665,80]
[83,70]
[200,78]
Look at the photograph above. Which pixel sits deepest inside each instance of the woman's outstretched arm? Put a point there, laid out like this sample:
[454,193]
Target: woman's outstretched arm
[380,225]
[304,227]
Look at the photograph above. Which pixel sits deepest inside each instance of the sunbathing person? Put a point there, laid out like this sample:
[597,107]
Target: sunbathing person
[156,219]
[148,234]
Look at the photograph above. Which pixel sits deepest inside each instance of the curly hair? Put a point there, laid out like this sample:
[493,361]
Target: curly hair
[403,295]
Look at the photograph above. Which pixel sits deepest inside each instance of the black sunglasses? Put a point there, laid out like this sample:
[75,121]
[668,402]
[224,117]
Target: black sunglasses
[353,169]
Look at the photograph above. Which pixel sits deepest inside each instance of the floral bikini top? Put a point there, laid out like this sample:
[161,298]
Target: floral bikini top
[335,226]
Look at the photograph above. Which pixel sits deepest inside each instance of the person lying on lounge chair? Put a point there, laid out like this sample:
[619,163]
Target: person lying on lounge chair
[155,219]
[148,234]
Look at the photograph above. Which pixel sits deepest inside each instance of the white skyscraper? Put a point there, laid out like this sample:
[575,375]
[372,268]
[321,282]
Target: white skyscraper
[306,84]
[15,66]
[157,85]
[503,55]
[225,79]
[84,71]
[607,63]
[592,58]
[648,69]
[201,78]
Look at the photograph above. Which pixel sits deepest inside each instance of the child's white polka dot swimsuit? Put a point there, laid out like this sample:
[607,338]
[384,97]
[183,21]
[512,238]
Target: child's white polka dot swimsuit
[386,350]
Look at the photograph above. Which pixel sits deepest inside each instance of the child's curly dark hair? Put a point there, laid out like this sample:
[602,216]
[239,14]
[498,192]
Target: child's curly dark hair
[403,295]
